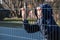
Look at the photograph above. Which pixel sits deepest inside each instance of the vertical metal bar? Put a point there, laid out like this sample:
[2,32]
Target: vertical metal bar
[0,1]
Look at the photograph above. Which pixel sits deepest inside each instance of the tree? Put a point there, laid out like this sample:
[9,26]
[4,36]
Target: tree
[13,5]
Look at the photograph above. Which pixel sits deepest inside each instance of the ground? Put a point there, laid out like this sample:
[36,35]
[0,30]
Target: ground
[7,33]
[14,30]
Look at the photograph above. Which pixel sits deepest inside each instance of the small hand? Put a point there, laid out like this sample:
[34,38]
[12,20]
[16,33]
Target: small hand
[23,14]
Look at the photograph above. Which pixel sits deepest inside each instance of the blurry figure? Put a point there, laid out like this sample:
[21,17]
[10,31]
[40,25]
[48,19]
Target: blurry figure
[31,14]
[30,6]
[51,29]
[31,11]
[45,24]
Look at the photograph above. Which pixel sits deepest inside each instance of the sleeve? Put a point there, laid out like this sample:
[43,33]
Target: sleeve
[30,28]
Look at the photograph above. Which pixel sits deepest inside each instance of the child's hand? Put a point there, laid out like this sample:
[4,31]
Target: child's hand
[23,14]
[39,12]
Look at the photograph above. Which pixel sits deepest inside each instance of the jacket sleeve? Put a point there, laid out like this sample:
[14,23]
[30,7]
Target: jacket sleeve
[30,28]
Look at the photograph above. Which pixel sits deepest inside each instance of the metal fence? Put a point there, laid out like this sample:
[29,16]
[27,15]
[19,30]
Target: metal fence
[48,28]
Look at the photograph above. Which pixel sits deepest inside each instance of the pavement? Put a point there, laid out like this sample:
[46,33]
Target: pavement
[7,33]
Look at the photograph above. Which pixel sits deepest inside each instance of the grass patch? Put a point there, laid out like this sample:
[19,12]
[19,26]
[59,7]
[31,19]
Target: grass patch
[14,22]
[17,22]
[18,19]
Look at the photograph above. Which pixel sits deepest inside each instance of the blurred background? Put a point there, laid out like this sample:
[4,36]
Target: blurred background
[10,10]
[12,13]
